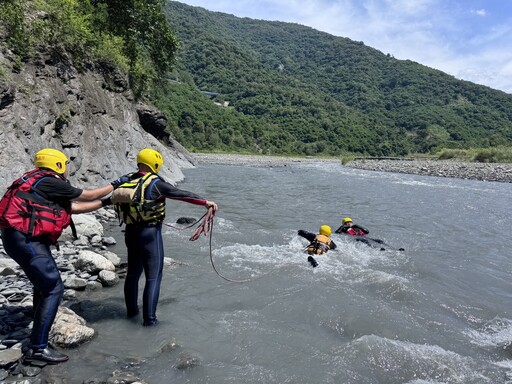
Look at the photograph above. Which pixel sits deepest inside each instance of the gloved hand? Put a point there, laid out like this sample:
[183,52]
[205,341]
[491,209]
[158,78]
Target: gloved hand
[121,180]
[105,202]
[313,262]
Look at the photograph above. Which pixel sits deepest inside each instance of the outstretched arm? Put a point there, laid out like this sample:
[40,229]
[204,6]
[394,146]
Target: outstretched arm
[307,235]
[361,228]
[89,206]
[341,229]
[169,191]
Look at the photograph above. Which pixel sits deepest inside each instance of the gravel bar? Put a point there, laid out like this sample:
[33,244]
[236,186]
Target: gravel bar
[501,172]
[255,160]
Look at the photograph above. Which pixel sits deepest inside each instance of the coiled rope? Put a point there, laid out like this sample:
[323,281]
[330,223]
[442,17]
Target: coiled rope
[206,228]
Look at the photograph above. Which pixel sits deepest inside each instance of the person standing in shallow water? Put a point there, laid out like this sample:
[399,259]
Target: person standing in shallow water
[33,213]
[140,204]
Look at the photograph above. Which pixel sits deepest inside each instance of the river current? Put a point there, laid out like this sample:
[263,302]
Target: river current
[438,312]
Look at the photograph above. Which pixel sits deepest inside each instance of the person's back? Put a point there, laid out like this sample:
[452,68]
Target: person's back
[319,243]
[34,211]
[140,203]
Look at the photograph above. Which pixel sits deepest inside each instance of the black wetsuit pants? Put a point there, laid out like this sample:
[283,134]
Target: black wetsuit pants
[145,253]
[35,258]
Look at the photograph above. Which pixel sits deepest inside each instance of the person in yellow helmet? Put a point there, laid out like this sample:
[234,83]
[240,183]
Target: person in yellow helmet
[143,214]
[360,235]
[348,227]
[319,243]
[33,213]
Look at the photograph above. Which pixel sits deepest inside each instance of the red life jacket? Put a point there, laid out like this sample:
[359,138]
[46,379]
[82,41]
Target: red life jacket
[28,210]
[355,232]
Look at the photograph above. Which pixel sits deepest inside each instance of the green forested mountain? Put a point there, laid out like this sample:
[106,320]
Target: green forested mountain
[292,89]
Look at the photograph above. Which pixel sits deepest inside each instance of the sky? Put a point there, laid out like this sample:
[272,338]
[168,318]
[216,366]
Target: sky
[469,39]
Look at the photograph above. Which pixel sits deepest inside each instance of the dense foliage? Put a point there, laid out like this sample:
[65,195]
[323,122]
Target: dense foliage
[275,88]
[132,35]
[293,89]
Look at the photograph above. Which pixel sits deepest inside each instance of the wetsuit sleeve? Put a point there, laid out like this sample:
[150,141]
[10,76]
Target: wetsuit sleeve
[164,189]
[361,228]
[57,189]
[333,245]
[342,229]
[307,235]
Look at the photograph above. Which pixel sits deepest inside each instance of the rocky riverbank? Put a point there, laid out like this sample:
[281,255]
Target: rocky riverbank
[440,168]
[86,265]
[253,160]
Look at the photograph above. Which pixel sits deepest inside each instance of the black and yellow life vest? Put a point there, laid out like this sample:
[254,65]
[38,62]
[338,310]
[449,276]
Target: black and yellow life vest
[131,204]
[319,245]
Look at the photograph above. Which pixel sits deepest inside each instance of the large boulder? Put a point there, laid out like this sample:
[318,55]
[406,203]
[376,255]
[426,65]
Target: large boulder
[86,225]
[69,329]
[92,262]
[50,104]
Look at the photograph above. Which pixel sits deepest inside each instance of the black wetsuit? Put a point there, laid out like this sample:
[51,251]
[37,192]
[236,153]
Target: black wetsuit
[34,256]
[354,230]
[359,233]
[146,253]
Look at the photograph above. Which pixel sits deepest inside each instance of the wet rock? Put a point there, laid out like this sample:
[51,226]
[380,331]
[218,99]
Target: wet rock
[108,278]
[169,346]
[123,378]
[187,360]
[112,257]
[86,224]
[93,262]
[172,263]
[69,329]
[96,241]
[9,356]
[70,294]
[186,220]
[75,283]
[93,286]
[30,371]
[6,271]
[108,241]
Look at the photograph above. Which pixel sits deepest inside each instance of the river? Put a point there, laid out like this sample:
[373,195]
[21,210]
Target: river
[439,312]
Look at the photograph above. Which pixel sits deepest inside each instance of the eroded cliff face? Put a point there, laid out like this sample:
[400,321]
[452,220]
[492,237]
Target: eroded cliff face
[89,115]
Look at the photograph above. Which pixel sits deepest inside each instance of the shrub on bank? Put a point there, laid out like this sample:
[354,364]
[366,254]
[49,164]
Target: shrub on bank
[500,154]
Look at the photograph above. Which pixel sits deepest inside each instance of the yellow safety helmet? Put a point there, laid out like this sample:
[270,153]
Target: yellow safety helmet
[151,158]
[347,220]
[52,159]
[325,230]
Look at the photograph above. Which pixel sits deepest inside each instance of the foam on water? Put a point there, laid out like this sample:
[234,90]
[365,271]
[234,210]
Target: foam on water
[401,361]
[494,333]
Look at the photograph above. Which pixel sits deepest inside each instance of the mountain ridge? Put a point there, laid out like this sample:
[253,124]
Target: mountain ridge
[312,93]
